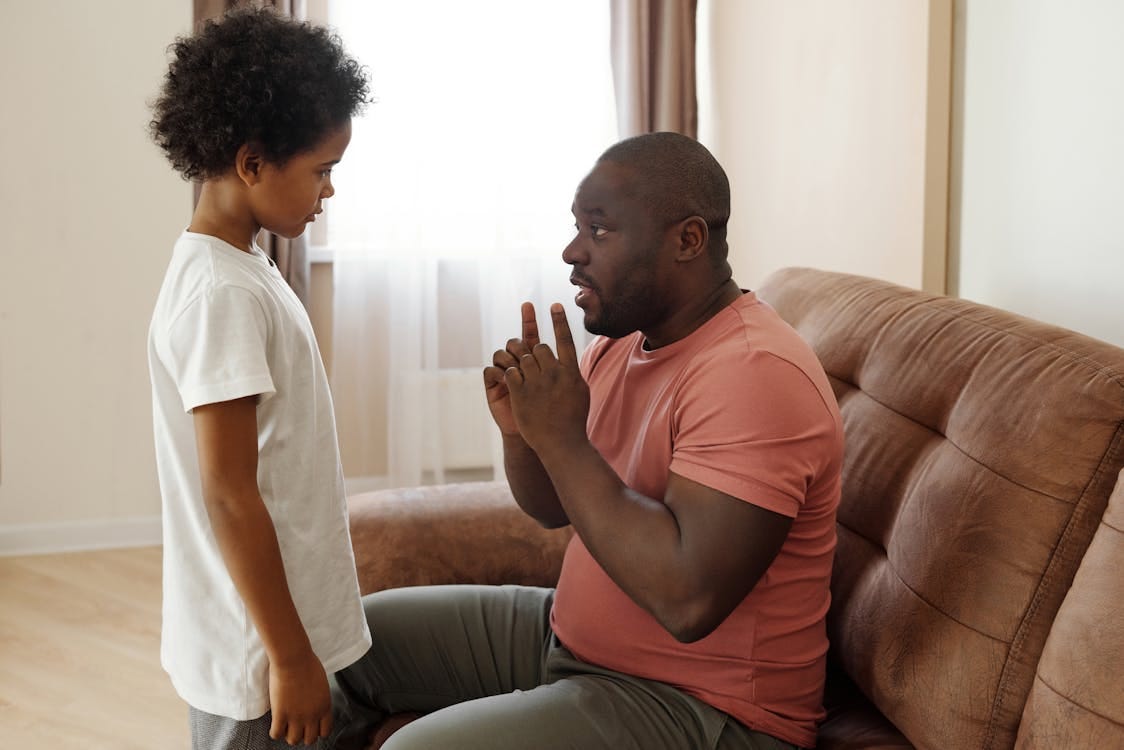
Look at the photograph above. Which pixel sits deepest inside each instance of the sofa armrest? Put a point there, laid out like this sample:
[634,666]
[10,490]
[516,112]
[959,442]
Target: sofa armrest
[452,533]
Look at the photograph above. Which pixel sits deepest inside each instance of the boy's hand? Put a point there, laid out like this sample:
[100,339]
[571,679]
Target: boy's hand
[495,387]
[300,701]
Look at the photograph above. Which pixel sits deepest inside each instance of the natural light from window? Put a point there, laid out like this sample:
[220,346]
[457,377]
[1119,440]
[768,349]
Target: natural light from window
[453,207]
[487,115]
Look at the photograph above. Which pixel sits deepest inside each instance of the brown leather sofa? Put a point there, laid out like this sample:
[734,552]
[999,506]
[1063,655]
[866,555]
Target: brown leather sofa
[978,591]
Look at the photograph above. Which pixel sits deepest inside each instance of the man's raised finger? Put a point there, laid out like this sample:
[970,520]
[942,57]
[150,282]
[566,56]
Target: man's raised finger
[563,338]
[530,325]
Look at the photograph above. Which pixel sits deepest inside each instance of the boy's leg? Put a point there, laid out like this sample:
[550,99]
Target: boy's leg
[435,646]
[586,707]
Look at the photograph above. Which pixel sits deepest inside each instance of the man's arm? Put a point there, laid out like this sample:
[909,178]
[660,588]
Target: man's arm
[227,442]
[532,488]
[688,560]
[531,485]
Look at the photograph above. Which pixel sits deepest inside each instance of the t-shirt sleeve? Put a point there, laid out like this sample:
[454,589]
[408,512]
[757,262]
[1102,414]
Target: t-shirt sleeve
[764,441]
[217,348]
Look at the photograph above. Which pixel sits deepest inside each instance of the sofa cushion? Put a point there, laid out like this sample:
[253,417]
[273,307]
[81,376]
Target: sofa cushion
[981,451]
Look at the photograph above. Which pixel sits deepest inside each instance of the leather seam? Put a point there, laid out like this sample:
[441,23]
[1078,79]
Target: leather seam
[1003,688]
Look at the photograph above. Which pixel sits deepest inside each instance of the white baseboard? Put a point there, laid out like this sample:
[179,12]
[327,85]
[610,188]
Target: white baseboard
[75,536]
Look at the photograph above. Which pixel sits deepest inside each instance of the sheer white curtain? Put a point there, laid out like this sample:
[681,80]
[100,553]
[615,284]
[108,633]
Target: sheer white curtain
[452,207]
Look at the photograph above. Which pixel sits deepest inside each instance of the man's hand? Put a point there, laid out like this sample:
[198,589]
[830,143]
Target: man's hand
[525,473]
[300,701]
[495,386]
[549,399]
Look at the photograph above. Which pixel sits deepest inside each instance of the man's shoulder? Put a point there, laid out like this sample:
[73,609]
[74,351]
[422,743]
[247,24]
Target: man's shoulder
[758,355]
[758,332]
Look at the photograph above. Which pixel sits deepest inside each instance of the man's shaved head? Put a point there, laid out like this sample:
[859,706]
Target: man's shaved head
[678,178]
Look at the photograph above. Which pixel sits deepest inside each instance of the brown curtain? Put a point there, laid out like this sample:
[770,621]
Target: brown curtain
[653,51]
[291,256]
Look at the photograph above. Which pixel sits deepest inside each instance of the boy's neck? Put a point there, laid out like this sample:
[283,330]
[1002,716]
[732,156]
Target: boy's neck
[222,212]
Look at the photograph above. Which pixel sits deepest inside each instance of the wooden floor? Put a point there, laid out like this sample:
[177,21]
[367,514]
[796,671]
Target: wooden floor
[79,654]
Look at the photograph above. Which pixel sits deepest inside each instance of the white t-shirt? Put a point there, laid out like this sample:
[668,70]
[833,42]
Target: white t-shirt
[226,325]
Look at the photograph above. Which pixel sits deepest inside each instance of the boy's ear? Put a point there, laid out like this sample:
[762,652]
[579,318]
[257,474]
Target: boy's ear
[248,163]
[693,237]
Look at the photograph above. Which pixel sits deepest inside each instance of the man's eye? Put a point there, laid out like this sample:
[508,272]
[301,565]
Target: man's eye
[595,230]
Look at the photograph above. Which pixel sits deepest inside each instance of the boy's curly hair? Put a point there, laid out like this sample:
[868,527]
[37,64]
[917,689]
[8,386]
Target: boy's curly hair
[253,77]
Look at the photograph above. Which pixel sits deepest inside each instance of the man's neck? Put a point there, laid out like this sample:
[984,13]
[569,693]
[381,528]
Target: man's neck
[692,316]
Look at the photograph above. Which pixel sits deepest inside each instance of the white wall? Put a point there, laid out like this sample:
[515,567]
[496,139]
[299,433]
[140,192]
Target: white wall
[831,118]
[1038,161]
[91,211]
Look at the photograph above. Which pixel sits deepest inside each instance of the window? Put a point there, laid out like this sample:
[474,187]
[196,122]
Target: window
[453,206]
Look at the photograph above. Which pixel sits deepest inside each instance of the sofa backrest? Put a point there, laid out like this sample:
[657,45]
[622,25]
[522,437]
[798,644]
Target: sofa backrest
[1078,695]
[981,451]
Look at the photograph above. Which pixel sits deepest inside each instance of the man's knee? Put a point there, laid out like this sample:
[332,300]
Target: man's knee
[430,733]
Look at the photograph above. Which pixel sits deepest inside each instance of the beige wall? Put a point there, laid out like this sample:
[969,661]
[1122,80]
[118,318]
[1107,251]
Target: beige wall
[1037,221]
[831,117]
[827,115]
[91,211]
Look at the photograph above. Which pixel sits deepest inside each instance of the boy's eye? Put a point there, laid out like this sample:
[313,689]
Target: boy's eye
[325,173]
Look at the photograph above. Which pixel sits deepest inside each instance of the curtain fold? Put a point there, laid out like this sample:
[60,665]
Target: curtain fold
[653,54]
[291,256]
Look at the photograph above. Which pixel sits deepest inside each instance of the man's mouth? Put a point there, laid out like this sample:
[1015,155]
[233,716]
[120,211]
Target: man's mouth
[585,289]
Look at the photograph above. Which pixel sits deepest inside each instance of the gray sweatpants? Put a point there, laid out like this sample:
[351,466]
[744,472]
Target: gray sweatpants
[483,664]
[210,732]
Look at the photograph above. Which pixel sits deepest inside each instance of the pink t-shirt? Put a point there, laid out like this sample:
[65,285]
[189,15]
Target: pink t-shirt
[743,406]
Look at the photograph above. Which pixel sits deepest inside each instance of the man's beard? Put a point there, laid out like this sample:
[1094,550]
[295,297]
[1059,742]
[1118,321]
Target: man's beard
[628,313]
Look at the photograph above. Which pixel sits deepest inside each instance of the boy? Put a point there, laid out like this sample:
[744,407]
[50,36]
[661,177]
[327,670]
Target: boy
[261,601]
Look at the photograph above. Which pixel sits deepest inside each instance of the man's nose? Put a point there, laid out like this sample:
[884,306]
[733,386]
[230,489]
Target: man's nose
[574,254]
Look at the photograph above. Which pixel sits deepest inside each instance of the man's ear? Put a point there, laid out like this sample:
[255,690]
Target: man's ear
[694,235]
[248,163]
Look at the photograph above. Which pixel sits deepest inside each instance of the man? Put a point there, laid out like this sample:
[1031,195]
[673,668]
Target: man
[696,452]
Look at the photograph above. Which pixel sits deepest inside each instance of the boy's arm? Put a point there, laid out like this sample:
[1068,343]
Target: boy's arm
[226,437]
